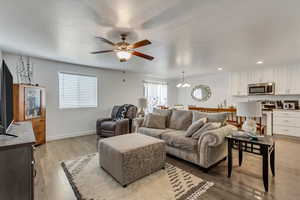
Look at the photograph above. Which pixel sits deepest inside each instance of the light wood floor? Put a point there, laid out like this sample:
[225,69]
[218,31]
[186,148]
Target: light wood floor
[245,183]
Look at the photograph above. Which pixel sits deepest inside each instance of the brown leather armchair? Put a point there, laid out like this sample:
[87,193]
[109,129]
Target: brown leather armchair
[108,127]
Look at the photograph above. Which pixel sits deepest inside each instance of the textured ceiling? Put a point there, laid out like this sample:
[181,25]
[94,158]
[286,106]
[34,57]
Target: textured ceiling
[197,36]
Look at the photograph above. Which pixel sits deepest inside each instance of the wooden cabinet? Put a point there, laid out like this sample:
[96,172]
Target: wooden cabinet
[286,122]
[17,168]
[30,105]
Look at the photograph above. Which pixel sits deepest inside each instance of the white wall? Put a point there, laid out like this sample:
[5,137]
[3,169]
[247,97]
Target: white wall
[172,92]
[112,90]
[218,84]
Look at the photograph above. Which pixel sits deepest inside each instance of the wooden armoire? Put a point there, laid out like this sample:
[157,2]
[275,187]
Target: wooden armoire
[30,105]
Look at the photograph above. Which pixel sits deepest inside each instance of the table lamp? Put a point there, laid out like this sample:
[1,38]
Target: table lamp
[142,104]
[249,110]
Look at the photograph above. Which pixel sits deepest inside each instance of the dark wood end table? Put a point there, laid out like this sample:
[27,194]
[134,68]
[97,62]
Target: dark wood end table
[264,146]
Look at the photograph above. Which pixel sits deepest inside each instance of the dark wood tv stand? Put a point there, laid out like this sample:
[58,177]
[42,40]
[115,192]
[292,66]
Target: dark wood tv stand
[17,163]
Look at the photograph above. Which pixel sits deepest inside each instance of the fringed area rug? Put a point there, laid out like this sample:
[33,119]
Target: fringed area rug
[90,182]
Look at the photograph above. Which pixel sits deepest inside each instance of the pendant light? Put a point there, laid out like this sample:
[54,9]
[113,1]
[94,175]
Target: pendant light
[183,84]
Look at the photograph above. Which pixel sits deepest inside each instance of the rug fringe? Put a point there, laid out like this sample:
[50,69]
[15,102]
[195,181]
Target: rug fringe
[70,179]
[196,195]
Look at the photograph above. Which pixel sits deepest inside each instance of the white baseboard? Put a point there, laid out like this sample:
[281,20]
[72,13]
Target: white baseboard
[69,135]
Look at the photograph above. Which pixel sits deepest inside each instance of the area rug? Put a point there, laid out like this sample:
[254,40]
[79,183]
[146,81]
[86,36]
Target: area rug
[90,182]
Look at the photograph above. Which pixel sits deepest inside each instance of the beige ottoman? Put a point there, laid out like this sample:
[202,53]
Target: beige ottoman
[132,156]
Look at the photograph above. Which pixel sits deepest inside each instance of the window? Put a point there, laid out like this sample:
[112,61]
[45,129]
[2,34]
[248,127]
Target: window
[77,91]
[156,94]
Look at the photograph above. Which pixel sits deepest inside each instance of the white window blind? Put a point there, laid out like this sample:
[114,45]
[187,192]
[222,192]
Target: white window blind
[156,94]
[77,91]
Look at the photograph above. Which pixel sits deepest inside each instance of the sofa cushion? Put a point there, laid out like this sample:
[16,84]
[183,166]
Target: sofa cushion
[211,117]
[181,119]
[152,131]
[153,120]
[195,126]
[164,112]
[178,140]
[206,127]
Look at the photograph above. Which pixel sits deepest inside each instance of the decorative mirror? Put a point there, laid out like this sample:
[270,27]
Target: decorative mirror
[201,93]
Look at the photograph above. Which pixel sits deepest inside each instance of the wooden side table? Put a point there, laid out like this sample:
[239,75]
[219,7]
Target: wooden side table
[264,147]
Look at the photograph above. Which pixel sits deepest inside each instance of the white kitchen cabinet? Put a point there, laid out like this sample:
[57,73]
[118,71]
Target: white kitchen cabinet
[286,79]
[286,122]
[267,75]
[234,81]
[253,77]
[243,85]
[293,82]
[238,83]
[269,121]
[281,77]
[261,76]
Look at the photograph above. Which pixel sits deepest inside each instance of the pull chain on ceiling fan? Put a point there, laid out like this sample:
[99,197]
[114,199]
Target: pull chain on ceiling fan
[124,50]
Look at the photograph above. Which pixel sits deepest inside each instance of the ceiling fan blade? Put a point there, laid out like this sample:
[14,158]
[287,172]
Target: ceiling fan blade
[139,44]
[105,51]
[139,54]
[106,41]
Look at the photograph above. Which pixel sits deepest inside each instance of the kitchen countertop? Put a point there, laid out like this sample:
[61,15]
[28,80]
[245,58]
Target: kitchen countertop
[283,110]
[267,111]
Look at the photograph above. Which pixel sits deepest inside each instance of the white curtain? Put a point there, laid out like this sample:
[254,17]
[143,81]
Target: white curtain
[156,94]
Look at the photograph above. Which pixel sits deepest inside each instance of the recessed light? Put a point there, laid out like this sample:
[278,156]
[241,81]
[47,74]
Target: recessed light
[259,62]
[220,68]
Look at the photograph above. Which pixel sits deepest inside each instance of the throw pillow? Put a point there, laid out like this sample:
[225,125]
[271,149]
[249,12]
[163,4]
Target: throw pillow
[211,117]
[195,126]
[198,115]
[155,121]
[206,127]
[181,119]
[164,112]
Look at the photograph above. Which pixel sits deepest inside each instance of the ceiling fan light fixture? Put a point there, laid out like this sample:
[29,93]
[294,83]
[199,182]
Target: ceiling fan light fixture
[124,55]
[186,85]
[183,84]
[179,85]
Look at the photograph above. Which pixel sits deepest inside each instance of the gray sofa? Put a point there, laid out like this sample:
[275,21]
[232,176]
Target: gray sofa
[208,150]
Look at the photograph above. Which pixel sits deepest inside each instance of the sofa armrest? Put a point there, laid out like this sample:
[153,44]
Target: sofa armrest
[137,122]
[122,126]
[217,136]
[100,120]
[212,145]
[98,124]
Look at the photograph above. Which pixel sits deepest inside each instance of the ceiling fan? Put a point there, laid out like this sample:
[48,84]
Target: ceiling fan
[125,50]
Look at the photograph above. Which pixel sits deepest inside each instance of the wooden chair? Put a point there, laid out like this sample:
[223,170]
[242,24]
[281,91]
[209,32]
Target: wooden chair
[163,107]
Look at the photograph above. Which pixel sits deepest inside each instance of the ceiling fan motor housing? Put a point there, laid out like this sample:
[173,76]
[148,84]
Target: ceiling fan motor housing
[123,36]
[124,50]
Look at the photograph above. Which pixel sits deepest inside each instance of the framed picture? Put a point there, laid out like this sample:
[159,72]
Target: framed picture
[33,107]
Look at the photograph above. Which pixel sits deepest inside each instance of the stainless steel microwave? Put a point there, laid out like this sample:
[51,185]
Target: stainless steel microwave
[261,89]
